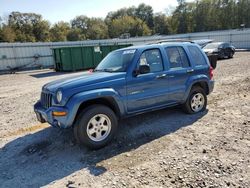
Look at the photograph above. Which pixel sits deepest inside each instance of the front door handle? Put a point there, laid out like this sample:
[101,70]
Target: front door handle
[190,70]
[161,76]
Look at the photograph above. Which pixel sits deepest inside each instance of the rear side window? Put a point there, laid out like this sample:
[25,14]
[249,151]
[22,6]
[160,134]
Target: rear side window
[197,55]
[177,57]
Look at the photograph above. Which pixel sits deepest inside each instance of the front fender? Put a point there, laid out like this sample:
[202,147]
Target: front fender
[76,100]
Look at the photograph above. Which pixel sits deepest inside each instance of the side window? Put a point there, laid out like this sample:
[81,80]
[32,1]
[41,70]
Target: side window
[177,57]
[184,58]
[153,59]
[197,55]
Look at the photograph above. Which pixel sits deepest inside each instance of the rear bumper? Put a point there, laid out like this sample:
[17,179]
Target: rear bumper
[210,86]
[45,115]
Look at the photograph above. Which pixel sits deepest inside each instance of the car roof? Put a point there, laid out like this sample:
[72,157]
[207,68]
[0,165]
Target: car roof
[217,43]
[157,45]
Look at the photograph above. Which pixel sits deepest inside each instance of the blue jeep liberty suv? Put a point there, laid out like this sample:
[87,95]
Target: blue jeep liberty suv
[127,82]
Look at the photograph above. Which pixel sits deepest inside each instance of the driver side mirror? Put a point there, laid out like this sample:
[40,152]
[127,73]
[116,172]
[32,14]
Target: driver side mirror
[143,69]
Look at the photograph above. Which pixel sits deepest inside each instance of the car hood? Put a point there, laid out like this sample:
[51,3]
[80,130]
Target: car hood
[210,50]
[87,79]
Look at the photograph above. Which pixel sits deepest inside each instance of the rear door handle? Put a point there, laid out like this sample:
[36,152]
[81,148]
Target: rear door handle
[161,76]
[190,70]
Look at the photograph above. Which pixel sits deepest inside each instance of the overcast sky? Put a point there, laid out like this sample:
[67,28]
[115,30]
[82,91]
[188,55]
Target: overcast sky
[66,10]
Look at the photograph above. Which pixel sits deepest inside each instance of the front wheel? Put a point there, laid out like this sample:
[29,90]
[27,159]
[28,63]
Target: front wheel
[95,126]
[196,101]
[231,54]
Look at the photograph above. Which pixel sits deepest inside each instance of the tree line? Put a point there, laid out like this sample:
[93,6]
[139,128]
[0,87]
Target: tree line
[197,16]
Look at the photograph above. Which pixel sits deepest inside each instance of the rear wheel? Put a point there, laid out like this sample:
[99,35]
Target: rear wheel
[196,101]
[96,126]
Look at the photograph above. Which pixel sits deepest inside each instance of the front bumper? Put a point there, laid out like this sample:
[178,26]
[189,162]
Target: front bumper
[45,115]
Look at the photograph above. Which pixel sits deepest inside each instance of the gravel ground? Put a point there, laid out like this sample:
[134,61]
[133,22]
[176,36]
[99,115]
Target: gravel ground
[166,148]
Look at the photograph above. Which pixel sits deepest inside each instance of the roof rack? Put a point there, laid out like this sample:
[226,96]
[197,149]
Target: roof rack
[171,40]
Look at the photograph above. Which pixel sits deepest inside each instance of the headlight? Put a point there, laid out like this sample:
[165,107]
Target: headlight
[59,96]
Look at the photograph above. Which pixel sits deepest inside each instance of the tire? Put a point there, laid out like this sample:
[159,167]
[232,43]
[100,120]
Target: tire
[196,101]
[95,126]
[76,134]
[221,55]
[231,54]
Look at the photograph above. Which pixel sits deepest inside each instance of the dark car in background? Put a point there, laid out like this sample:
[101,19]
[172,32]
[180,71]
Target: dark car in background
[222,49]
[202,42]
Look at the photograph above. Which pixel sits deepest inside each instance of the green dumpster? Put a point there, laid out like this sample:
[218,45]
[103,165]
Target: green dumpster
[77,58]
[87,54]
[81,58]
[66,59]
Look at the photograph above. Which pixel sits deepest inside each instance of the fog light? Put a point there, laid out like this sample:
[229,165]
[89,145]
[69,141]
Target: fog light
[59,113]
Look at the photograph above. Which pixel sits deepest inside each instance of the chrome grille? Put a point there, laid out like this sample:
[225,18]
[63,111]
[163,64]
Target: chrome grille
[46,100]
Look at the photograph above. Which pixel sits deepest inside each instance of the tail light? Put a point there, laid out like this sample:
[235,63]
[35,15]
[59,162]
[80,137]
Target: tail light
[211,74]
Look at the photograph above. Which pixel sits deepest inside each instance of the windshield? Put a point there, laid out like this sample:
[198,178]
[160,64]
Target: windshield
[212,45]
[116,61]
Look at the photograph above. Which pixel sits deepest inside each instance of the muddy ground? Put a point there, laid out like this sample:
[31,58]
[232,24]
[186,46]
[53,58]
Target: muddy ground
[165,148]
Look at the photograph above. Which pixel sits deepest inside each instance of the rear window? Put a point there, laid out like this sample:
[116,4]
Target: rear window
[226,45]
[197,56]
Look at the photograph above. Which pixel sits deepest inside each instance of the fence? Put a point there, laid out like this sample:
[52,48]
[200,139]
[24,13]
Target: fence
[24,55]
